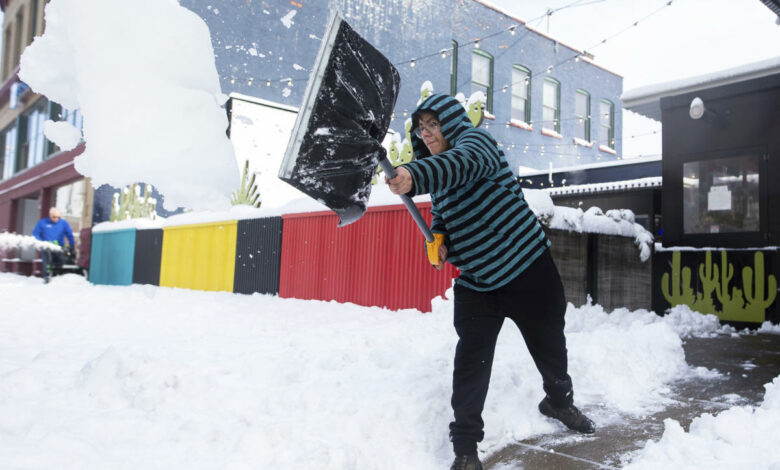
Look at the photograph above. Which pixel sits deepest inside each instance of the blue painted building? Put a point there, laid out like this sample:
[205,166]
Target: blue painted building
[265,49]
[541,94]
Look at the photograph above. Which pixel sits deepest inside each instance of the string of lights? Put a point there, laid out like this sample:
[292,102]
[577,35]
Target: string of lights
[290,81]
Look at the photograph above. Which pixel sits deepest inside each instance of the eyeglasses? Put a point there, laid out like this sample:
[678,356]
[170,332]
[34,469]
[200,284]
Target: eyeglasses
[431,126]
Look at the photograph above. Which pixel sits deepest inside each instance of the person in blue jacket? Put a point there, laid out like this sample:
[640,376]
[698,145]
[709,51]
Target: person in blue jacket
[483,225]
[53,229]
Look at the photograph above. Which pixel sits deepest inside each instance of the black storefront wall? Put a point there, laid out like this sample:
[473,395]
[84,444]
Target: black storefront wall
[148,253]
[739,286]
[741,124]
[258,256]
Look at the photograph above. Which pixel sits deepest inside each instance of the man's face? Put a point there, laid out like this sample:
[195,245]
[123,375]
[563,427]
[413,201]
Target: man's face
[430,132]
[54,216]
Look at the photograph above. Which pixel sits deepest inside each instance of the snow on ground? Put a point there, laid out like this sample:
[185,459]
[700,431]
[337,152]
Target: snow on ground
[738,438]
[149,91]
[151,377]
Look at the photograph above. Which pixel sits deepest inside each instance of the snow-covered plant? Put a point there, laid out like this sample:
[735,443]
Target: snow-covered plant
[247,193]
[131,205]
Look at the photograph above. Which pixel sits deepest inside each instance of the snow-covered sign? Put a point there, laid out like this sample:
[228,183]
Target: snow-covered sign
[149,91]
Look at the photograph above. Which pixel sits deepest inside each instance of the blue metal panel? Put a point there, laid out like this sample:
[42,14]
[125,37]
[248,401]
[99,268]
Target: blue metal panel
[112,256]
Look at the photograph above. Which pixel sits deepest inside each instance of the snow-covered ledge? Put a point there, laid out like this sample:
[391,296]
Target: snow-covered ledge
[614,222]
[521,124]
[10,240]
[605,149]
[583,142]
[551,133]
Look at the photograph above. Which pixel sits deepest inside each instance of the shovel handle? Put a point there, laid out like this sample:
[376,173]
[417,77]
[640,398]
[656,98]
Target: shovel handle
[387,167]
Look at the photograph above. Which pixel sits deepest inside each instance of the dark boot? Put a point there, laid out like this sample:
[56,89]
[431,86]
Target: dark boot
[568,415]
[466,462]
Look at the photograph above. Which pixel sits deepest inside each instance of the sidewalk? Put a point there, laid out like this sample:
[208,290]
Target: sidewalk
[746,364]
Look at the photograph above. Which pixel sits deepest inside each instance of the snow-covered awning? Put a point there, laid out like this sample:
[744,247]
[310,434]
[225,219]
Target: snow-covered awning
[647,100]
[641,183]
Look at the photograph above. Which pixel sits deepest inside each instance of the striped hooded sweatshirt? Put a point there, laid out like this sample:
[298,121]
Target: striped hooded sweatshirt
[490,232]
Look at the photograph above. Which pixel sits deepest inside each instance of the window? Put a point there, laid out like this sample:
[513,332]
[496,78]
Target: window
[31,139]
[454,69]
[8,141]
[607,123]
[6,52]
[582,113]
[33,19]
[551,99]
[482,76]
[18,46]
[721,195]
[521,94]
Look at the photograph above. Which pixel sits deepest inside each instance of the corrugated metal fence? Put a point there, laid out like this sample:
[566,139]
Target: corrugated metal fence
[378,260]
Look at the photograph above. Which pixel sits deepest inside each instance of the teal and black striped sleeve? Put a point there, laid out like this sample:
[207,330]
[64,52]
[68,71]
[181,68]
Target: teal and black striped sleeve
[476,156]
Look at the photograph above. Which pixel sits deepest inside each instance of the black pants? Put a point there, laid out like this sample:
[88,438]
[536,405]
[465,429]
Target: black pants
[535,302]
[51,263]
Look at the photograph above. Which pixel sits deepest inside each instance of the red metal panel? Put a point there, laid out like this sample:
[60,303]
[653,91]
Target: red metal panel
[379,260]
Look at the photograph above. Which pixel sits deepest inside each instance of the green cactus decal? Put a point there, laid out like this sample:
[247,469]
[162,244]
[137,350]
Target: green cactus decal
[402,152]
[756,300]
[708,275]
[130,205]
[749,304]
[476,113]
[247,193]
[676,293]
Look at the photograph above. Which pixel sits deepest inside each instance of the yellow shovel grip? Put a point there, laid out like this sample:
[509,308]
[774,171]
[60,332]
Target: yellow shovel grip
[433,248]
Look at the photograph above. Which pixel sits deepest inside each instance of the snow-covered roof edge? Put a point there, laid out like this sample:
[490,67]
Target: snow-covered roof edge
[272,104]
[646,100]
[650,182]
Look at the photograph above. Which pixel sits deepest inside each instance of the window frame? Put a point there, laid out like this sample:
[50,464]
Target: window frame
[454,69]
[586,117]
[9,162]
[611,128]
[527,85]
[557,118]
[489,86]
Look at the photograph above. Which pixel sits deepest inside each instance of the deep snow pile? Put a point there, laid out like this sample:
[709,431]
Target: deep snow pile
[738,438]
[148,89]
[150,377]
[10,240]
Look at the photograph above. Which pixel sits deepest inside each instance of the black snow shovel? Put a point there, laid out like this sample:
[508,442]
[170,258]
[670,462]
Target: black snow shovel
[336,143]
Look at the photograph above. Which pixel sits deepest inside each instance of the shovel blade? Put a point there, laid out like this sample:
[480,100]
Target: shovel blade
[336,143]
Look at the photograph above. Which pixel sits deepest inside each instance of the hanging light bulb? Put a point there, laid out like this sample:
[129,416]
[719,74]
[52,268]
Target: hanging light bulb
[411,63]
[444,53]
[527,80]
[232,80]
[512,29]
[249,82]
[268,83]
[577,58]
[476,43]
[503,90]
[549,69]
[289,82]
[507,125]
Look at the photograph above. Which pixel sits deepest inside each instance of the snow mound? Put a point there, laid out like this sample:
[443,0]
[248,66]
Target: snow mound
[740,437]
[149,93]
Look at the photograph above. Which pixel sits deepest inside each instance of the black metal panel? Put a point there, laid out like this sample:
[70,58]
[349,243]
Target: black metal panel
[740,119]
[258,256]
[148,253]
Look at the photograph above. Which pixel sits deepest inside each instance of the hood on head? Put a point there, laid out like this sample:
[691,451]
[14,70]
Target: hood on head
[452,116]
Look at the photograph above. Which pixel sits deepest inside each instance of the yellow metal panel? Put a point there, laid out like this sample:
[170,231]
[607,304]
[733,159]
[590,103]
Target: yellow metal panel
[199,256]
